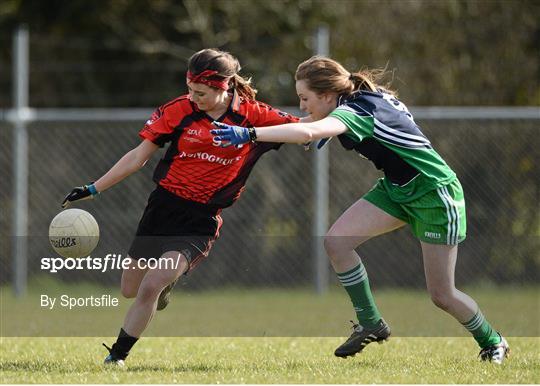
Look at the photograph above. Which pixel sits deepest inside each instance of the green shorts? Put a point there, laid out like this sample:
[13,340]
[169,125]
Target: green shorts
[437,217]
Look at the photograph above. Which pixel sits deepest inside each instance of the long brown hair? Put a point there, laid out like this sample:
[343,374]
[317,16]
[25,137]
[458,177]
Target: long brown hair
[226,65]
[324,75]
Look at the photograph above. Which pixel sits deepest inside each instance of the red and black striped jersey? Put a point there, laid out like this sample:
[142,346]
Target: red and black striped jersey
[197,168]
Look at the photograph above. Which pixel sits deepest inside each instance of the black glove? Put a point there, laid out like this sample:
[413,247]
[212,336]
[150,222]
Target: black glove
[80,193]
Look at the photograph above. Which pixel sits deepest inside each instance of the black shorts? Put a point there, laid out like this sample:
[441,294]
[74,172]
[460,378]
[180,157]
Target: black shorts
[170,223]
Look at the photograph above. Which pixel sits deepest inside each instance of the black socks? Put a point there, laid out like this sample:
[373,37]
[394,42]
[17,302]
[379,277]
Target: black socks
[123,344]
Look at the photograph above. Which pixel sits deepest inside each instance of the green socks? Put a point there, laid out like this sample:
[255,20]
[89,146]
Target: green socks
[481,330]
[356,284]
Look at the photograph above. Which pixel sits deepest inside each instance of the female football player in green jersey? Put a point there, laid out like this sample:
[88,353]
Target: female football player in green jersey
[418,188]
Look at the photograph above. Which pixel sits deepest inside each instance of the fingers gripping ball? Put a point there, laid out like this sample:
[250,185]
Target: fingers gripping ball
[74,233]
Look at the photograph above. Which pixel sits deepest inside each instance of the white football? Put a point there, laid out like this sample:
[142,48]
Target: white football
[74,233]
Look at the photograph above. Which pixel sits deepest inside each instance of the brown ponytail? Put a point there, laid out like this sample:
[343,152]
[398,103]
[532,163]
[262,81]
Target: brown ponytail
[371,80]
[324,75]
[243,87]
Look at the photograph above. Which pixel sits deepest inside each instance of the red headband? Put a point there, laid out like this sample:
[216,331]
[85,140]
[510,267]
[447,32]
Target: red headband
[203,78]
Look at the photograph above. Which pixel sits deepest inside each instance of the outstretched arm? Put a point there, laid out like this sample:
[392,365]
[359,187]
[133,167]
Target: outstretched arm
[132,161]
[291,132]
[301,132]
[128,164]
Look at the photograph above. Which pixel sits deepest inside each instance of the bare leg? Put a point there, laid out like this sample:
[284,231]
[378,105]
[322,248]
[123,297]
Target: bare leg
[439,267]
[131,279]
[143,309]
[359,223]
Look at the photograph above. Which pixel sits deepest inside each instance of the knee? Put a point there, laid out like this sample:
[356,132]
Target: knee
[333,246]
[338,246]
[128,292]
[444,299]
[149,291]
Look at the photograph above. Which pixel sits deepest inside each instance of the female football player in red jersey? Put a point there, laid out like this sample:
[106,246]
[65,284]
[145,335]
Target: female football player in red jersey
[418,189]
[195,180]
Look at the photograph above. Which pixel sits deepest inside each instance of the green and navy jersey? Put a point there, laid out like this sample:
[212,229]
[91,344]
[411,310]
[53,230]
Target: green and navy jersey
[382,129]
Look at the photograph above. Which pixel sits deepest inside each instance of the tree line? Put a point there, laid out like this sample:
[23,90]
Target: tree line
[133,53]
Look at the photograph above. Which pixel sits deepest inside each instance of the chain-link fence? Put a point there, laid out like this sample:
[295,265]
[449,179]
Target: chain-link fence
[266,238]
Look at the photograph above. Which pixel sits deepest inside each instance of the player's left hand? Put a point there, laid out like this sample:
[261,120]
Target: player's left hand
[230,135]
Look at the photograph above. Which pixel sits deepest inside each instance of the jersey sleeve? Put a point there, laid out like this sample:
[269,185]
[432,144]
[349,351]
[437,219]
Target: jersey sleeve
[157,129]
[360,123]
[269,116]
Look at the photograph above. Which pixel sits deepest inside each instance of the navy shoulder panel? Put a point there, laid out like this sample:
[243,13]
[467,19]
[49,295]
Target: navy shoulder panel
[392,119]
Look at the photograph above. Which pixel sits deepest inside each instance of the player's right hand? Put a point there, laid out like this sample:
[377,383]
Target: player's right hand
[80,193]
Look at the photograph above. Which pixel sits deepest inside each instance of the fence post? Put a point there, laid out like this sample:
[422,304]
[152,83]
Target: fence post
[20,161]
[321,182]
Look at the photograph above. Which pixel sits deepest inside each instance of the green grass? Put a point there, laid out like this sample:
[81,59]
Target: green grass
[263,336]
[264,360]
[265,313]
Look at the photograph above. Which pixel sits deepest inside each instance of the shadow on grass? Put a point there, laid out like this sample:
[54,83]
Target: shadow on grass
[183,368]
[34,365]
[361,362]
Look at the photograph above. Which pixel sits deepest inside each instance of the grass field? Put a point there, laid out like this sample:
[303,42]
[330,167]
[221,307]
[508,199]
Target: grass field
[264,360]
[264,313]
[264,336]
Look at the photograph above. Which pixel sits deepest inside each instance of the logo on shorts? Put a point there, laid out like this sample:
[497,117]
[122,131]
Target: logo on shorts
[432,235]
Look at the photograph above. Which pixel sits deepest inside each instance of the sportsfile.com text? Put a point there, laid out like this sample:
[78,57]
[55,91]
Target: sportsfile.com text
[109,262]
